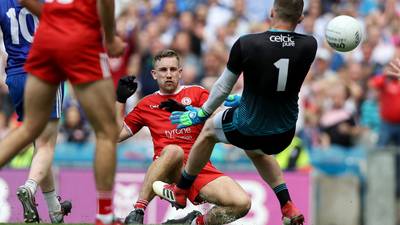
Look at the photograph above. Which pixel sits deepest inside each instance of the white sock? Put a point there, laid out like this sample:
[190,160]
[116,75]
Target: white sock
[52,202]
[105,218]
[194,221]
[32,185]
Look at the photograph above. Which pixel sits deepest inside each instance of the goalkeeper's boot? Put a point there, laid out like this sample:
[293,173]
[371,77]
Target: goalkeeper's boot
[135,217]
[185,220]
[170,192]
[58,217]
[114,222]
[291,215]
[28,202]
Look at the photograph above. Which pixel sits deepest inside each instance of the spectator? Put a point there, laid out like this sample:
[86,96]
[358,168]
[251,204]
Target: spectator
[75,128]
[321,66]
[388,87]
[187,24]
[338,123]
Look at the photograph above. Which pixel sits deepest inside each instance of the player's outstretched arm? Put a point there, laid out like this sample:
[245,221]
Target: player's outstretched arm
[34,6]
[192,116]
[123,134]
[127,86]
[218,94]
[220,91]
[125,89]
[115,45]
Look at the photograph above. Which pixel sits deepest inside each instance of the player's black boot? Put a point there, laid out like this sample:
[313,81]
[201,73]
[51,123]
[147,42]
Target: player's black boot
[185,220]
[135,217]
[27,200]
[58,217]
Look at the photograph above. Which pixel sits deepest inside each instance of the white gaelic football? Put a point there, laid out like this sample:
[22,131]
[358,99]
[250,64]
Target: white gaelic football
[343,33]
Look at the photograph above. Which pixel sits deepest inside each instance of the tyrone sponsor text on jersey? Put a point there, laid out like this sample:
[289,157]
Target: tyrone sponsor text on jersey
[179,133]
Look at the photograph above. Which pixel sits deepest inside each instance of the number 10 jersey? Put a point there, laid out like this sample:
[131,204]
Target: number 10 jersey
[17,27]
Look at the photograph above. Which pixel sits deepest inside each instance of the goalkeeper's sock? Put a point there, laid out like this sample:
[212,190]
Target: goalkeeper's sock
[282,193]
[186,180]
[141,204]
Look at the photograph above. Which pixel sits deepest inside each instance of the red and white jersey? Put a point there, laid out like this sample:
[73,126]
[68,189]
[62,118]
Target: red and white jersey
[163,132]
[74,22]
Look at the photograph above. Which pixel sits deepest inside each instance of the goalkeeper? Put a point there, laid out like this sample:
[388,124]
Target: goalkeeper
[274,64]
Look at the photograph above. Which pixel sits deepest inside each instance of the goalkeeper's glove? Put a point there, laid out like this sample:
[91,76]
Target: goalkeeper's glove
[232,101]
[192,116]
[126,88]
[171,105]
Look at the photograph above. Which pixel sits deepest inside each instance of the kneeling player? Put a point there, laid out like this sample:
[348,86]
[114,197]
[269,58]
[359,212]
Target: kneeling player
[171,147]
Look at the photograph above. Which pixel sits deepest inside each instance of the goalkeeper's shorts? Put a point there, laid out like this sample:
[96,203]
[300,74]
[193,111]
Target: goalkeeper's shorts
[269,144]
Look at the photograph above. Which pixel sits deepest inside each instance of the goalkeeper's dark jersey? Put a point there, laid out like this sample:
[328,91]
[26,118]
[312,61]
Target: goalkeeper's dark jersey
[274,65]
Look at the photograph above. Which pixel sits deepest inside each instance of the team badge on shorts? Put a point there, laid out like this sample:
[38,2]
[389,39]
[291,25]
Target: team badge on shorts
[186,101]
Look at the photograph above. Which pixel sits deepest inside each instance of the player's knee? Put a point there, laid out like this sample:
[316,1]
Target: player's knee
[108,131]
[242,205]
[32,130]
[44,145]
[48,136]
[173,152]
[255,155]
[208,130]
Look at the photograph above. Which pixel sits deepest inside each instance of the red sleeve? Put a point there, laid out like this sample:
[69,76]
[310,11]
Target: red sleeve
[134,120]
[203,95]
[377,81]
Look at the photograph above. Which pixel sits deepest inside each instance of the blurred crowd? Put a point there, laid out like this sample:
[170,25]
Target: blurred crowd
[341,100]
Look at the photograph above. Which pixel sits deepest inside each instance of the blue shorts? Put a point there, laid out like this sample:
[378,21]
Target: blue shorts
[16,87]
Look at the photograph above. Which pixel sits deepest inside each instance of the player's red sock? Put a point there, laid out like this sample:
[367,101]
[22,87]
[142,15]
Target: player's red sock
[141,204]
[200,220]
[104,202]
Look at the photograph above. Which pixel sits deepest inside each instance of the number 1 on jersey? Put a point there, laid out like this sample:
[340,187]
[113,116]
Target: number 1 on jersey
[283,67]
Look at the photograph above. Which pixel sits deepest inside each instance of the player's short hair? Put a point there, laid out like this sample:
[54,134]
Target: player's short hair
[289,10]
[166,54]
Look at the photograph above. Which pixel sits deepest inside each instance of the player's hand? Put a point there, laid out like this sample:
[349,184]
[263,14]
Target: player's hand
[395,68]
[171,105]
[232,101]
[192,116]
[126,88]
[116,47]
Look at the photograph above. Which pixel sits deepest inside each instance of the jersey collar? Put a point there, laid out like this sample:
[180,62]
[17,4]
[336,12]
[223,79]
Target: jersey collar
[277,30]
[176,91]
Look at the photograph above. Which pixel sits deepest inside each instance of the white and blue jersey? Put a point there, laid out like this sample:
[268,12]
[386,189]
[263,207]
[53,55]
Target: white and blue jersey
[17,26]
